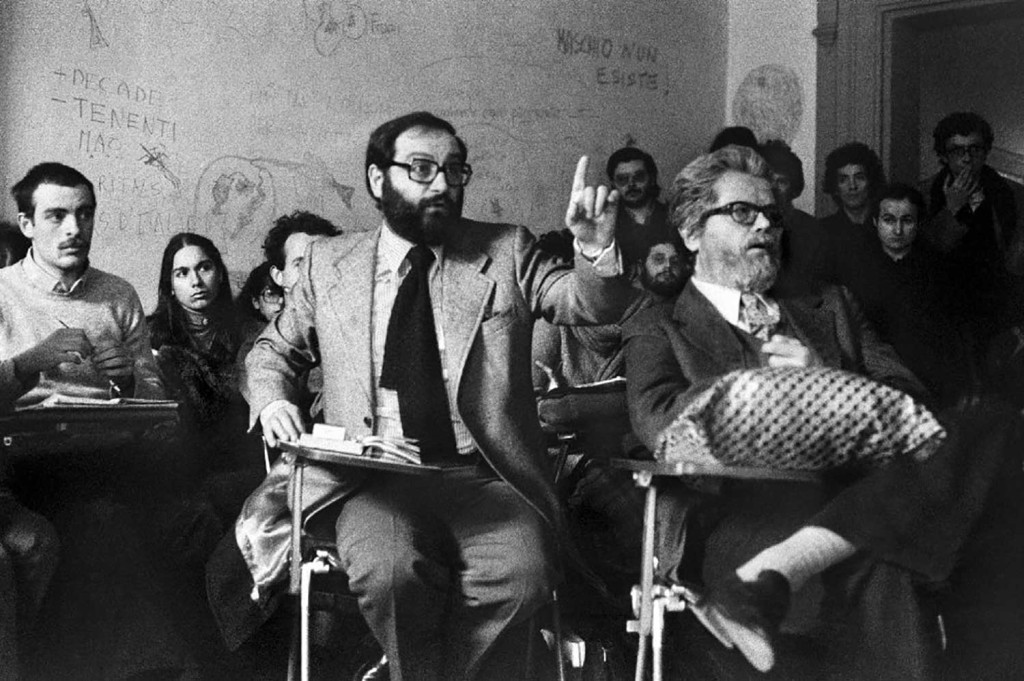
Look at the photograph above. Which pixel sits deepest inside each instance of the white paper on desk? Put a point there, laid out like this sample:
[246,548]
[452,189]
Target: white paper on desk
[59,400]
[330,444]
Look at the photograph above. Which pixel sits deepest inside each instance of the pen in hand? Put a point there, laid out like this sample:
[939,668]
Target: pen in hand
[115,389]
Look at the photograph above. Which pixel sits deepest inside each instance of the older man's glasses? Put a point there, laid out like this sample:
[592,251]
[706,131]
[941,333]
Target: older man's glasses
[746,213]
[423,171]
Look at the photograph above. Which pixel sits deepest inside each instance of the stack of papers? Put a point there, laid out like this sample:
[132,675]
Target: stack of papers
[335,439]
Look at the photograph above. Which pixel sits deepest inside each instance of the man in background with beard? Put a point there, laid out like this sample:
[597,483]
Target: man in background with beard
[423,328]
[641,217]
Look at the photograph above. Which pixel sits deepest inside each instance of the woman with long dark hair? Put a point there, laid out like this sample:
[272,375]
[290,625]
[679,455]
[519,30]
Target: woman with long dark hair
[195,332]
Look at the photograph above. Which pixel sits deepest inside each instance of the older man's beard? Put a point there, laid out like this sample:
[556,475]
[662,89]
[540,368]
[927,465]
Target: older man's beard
[412,221]
[749,270]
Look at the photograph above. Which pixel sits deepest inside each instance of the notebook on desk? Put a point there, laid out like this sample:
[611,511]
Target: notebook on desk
[330,444]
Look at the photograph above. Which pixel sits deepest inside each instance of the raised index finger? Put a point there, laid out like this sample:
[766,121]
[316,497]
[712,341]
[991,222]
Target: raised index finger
[579,181]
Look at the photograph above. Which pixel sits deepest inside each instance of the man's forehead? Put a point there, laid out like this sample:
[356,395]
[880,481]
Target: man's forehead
[965,140]
[664,249]
[439,144]
[896,206]
[52,194]
[629,167]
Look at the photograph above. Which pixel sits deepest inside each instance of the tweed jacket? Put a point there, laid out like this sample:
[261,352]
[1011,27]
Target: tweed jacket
[496,283]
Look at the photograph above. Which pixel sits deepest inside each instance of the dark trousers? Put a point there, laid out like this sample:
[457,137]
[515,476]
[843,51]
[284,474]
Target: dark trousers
[445,568]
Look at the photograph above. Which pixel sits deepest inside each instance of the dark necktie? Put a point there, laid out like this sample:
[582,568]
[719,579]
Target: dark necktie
[412,363]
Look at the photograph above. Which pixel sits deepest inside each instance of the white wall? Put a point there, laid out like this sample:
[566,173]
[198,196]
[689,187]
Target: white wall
[776,32]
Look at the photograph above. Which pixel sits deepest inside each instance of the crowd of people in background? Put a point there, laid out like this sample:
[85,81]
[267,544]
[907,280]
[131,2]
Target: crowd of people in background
[103,562]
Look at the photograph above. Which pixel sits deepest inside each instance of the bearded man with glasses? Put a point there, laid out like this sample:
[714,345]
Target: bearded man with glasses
[878,539]
[422,327]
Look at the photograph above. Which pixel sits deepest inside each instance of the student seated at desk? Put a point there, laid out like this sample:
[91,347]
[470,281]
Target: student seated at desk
[66,327]
[196,335]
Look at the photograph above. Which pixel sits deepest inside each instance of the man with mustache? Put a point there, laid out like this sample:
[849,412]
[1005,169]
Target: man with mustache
[953,518]
[633,172]
[68,328]
[57,332]
[422,327]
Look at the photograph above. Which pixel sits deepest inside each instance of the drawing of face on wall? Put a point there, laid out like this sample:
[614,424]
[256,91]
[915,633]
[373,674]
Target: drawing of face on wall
[235,199]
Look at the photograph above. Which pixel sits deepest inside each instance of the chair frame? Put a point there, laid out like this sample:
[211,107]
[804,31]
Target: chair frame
[651,601]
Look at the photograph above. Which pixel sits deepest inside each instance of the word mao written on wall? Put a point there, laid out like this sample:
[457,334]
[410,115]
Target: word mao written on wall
[115,119]
[619,64]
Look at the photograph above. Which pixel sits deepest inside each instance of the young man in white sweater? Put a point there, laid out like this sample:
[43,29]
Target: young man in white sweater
[69,328]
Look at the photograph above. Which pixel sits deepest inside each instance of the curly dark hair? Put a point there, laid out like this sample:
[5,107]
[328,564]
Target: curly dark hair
[961,123]
[852,153]
[299,222]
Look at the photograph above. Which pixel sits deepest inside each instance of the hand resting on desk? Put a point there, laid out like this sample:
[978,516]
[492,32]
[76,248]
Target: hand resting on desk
[282,422]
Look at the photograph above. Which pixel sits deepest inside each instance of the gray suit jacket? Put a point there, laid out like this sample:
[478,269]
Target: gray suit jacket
[496,283]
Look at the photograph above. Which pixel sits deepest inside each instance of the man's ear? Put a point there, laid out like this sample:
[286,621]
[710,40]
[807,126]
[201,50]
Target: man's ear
[691,239]
[375,176]
[25,224]
[277,275]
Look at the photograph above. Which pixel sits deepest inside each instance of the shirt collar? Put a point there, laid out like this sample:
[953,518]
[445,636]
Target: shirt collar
[392,249]
[727,300]
[42,279]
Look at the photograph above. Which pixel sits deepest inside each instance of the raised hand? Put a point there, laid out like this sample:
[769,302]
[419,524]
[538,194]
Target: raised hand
[592,212]
[958,189]
[63,345]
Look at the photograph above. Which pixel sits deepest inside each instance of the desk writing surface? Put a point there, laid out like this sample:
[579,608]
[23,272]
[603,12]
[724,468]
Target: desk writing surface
[218,116]
[358,461]
[64,417]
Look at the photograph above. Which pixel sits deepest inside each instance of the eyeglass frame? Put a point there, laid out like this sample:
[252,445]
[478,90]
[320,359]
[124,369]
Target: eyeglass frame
[276,297]
[772,212]
[437,168]
[972,150]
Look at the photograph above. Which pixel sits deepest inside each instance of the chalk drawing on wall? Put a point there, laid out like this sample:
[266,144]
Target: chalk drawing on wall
[96,39]
[769,101]
[156,156]
[336,22]
[238,198]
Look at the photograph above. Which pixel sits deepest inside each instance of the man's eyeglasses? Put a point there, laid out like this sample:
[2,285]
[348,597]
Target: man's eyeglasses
[271,297]
[423,171]
[972,150]
[746,213]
